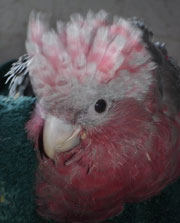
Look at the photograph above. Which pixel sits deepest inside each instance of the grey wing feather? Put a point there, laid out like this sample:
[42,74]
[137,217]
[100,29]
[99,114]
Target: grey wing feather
[167,72]
[18,78]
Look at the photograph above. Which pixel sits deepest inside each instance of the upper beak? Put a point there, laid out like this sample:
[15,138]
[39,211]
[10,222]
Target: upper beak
[59,136]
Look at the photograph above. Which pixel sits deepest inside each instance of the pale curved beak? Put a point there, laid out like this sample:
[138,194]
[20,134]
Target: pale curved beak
[59,136]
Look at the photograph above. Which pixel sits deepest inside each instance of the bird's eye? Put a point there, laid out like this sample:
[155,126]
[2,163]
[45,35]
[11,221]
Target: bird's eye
[100,106]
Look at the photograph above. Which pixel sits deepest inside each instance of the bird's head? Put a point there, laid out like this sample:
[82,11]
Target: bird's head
[87,75]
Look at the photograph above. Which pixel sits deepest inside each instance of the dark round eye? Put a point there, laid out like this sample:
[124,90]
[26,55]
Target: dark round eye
[100,106]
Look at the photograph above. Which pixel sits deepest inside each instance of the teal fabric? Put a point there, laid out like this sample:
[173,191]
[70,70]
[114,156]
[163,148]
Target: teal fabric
[18,165]
[17,162]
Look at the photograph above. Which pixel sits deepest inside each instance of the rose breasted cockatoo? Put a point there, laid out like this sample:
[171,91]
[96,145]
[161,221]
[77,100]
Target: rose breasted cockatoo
[106,123]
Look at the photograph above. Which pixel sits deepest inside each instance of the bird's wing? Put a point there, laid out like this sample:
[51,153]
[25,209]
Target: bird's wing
[168,71]
[18,78]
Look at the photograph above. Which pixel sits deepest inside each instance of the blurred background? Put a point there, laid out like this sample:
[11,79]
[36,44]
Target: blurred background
[162,16]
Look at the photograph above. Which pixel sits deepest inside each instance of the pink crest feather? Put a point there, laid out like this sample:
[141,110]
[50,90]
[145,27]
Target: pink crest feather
[84,49]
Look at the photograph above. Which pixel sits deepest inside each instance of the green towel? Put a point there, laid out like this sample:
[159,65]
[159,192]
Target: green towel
[17,174]
[17,162]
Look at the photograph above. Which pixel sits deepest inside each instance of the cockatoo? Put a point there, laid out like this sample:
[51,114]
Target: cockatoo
[106,124]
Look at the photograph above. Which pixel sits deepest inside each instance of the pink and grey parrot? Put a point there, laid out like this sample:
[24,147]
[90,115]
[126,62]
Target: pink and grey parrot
[106,124]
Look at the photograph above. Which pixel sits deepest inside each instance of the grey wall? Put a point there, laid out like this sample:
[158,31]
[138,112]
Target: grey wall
[161,15]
